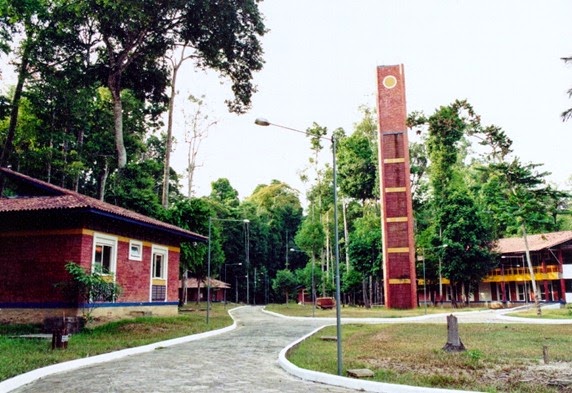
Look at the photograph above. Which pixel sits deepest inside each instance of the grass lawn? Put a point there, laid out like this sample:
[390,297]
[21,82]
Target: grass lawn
[499,357]
[19,355]
[551,313]
[305,310]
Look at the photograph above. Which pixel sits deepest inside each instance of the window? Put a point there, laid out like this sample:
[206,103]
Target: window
[159,265]
[158,293]
[159,262]
[104,254]
[135,250]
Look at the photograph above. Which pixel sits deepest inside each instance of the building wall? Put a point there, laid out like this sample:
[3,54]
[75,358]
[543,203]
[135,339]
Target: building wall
[32,262]
[173,275]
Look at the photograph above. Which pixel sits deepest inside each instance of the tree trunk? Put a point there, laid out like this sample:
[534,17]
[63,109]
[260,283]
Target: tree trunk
[114,84]
[184,288]
[454,343]
[346,234]
[80,148]
[169,141]
[531,271]
[364,292]
[22,75]
[103,181]
[370,284]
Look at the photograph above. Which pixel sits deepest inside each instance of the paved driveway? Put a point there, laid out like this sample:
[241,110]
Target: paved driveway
[243,360]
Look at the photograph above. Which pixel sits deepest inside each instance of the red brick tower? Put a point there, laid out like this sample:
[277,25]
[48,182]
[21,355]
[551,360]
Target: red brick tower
[396,207]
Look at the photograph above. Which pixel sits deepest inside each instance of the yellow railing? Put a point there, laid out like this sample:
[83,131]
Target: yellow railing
[522,274]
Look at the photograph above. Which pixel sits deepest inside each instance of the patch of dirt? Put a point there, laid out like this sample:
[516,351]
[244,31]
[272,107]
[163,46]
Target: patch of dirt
[555,376]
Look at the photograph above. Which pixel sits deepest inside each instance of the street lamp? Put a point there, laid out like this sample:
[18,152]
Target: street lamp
[209,259]
[247,251]
[265,123]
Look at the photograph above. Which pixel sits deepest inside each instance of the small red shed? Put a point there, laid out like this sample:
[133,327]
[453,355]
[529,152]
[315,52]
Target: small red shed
[43,227]
[198,290]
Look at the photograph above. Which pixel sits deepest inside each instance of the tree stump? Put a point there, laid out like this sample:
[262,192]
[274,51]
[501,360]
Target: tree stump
[454,343]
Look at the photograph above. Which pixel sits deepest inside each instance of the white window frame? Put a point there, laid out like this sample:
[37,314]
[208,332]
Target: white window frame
[138,245]
[105,241]
[155,250]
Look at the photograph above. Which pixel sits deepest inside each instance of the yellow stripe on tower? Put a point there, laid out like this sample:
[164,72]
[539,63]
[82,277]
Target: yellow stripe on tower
[399,281]
[396,219]
[396,250]
[394,160]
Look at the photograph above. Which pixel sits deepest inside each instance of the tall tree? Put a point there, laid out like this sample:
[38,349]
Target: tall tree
[357,160]
[365,248]
[567,114]
[197,125]
[127,39]
[23,18]
[458,220]
[224,37]
[193,214]
[223,193]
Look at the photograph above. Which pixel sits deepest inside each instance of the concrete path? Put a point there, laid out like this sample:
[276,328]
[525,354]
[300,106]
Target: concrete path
[241,360]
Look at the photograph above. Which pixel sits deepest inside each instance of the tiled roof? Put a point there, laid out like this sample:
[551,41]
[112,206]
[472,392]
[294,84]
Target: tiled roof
[58,198]
[535,242]
[192,283]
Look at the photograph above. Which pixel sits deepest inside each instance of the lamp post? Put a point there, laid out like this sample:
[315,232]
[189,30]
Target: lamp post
[247,251]
[209,259]
[265,123]
[225,265]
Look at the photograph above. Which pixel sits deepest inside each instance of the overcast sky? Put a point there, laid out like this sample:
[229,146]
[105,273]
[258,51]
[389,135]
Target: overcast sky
[504,57]
[321,58]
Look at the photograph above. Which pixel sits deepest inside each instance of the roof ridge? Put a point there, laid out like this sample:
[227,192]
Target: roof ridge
[81,201]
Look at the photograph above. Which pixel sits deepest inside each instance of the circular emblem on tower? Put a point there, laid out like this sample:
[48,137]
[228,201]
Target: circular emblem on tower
[389,82]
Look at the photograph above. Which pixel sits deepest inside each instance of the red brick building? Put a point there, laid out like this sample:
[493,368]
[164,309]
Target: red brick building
[43,227]
[198,290]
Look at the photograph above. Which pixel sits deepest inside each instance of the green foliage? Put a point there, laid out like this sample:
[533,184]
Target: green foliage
[357,167]
[468,239]
[352,281]
[357,160]
[193,214]
[92,288]
[365,245]
[304,275]
[310,237]
[284,283]
[458,221]
[137,188]
[222,192]
[519,194]
[278,209]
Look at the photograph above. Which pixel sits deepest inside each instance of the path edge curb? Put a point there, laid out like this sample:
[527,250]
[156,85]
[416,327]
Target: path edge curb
[23,379]
[346,382]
